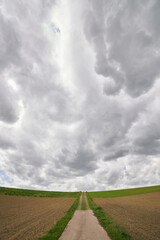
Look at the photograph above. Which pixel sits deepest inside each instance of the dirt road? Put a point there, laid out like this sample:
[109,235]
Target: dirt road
[84,226]
[80,203]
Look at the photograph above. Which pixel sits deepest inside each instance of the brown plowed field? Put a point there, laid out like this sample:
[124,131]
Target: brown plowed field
[28,218]
[139,215]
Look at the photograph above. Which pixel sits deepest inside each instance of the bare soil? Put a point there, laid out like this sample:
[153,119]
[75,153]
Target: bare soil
[139,215]
[28,218]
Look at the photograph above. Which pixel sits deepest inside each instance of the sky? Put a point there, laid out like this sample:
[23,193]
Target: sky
[79,94]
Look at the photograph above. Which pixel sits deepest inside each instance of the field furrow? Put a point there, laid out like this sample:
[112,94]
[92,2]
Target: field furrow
[139,215]
[29,218]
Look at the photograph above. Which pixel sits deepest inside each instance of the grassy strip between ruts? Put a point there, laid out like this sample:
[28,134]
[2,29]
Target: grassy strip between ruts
[124,192]
[115,232]
[57,230]
[83,205]
[36,193]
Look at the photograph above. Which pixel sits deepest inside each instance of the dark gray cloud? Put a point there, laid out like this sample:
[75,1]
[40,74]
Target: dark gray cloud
[125,43]
[79,95]
[9,106]
[10,45]
[5,143]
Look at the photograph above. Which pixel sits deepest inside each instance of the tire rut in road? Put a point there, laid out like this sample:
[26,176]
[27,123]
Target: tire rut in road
[80,202]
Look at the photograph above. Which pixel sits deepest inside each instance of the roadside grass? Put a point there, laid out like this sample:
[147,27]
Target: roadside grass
[36,193]
[115,232]
[124,192]
[57,230]
[83,204]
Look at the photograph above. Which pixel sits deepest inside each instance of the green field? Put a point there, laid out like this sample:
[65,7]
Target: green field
[36,193]
[124,192]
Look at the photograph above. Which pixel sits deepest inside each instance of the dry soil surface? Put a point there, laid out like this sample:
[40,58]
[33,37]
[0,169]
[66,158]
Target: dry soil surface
[28,218]
[139,215]
[84,226]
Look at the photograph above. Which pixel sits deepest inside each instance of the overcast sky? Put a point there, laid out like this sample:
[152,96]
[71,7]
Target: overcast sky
[79,94]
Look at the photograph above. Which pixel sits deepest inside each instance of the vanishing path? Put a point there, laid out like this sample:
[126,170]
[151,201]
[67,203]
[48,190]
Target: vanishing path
[84,226]
[86,201]
[80,202]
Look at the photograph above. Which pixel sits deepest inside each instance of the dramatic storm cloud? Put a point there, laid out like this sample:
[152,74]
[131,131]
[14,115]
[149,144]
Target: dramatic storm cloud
[79,94]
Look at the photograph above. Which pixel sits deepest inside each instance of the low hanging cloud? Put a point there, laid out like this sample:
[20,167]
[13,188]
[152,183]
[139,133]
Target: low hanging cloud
[79,96]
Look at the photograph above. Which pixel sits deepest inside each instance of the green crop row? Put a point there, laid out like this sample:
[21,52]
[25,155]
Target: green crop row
[124,192]
[36,193]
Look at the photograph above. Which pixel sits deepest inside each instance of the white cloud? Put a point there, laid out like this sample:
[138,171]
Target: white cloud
[79,96]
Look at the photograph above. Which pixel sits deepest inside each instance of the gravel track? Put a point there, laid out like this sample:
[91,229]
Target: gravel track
[84,226]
